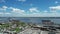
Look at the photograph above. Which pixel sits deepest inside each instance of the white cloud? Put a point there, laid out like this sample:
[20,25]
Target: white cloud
[16,10]
[1,13]
[54,8]
[43,15]
[22,0]
[13,11]
[7,13]
[3,8]
[33,10]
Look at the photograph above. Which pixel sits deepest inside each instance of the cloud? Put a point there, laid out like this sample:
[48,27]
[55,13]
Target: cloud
[1,13]
[4,13]
[42,15]
[3,8]
[12,11]
[7,13]
[16,10]
[22,0]
[54,8]
[34,10]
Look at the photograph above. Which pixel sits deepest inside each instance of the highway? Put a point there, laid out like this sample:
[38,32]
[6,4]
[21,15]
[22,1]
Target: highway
[30,31]
[35,31]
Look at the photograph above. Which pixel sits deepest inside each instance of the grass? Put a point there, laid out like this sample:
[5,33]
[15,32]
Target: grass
[18,29]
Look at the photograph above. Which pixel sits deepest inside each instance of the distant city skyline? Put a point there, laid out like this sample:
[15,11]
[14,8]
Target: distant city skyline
[29,8]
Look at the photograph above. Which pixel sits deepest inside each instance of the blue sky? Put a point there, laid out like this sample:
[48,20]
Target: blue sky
[30,8]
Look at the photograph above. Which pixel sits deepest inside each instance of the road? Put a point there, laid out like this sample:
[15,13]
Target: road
[30,31]
[34,31]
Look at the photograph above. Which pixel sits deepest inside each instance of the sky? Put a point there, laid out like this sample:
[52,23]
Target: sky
[29,8]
